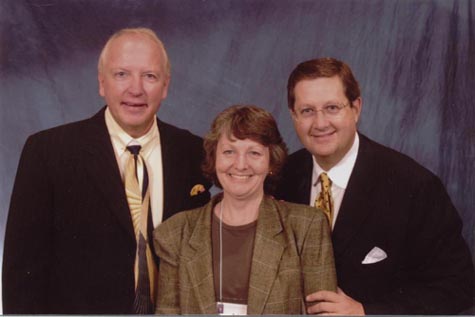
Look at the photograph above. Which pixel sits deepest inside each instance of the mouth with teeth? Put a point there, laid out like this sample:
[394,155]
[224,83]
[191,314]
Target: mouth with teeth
[135,105]
[323,136]
[243,177]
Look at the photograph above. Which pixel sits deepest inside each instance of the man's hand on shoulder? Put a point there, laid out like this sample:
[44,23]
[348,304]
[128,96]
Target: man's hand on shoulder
[331,303]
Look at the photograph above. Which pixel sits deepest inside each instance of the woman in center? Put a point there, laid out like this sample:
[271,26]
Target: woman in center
[243,252]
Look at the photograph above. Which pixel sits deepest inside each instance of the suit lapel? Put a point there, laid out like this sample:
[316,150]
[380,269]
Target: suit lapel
[356,205]
[304,172]
[169,160]
[199,266]
[269,245]
[102,167]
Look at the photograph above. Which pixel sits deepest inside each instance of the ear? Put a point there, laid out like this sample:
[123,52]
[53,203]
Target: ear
[100,79]
[293,114]
[356,108]
[166,84]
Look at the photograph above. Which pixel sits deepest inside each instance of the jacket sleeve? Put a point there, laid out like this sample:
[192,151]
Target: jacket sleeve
[318,264]
[436,275]
[166,242]
[28,237]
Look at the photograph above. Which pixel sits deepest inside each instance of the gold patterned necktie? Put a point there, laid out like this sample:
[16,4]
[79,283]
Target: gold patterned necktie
[145,270]
[324,200]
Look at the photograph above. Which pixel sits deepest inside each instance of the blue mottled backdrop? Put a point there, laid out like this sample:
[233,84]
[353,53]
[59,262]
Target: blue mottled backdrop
[415,61]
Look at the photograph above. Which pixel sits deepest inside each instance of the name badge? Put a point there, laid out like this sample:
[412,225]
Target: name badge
[231,309]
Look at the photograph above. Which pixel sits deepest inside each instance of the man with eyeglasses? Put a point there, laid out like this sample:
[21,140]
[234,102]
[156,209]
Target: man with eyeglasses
[396,235]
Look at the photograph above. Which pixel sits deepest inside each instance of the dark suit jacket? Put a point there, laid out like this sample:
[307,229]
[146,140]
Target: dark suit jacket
[69,244]
[393,203]
[292,257]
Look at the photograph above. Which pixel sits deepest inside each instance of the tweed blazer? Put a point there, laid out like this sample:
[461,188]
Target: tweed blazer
[292,258]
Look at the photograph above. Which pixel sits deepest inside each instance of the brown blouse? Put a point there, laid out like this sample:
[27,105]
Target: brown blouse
[238,245]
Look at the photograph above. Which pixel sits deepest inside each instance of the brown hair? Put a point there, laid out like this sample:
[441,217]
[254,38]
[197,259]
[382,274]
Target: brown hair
[246,122]
[323,67]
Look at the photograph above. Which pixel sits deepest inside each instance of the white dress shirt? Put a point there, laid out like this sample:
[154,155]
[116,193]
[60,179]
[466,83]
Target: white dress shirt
[338,174]
[151,152]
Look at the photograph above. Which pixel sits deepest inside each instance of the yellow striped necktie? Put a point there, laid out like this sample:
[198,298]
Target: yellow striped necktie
[324,200]
[145,270]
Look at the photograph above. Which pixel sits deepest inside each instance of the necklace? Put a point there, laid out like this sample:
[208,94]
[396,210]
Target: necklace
[220,303]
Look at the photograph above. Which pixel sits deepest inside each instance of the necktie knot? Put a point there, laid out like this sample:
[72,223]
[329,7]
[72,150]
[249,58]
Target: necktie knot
[325,180]
[134,149]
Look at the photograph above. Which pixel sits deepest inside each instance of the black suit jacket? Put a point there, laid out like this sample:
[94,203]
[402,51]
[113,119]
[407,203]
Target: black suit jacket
[393,203]
[69,244]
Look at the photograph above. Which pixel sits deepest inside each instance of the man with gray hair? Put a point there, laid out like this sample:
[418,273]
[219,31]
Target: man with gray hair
[88,194]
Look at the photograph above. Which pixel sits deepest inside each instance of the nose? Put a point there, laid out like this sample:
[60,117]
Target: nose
[240,162]
[320,122]
[136,86]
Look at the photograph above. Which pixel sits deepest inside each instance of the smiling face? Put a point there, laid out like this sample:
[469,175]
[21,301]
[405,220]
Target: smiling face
[327,138]
[133,81]
[241,167]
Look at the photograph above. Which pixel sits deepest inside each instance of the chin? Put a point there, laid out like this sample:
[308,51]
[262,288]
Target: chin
[323,149]
[239,194]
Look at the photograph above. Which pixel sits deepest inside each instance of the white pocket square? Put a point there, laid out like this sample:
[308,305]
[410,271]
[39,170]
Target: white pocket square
[375,255]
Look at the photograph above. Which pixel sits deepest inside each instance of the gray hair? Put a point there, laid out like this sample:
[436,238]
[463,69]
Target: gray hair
[137,31]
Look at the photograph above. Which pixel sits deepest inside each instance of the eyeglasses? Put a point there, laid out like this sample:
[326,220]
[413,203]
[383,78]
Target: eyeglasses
[329,111]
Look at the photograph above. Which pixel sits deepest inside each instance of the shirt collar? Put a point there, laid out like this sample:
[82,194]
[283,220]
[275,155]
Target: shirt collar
[121,139]
[341,172]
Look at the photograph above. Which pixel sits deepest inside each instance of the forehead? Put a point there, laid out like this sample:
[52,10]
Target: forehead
[319,89]
[229,139]
[133,49]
